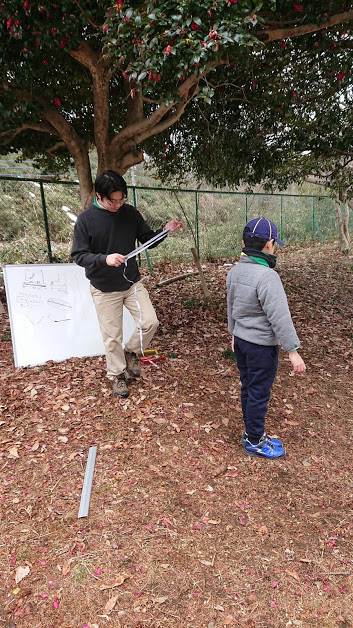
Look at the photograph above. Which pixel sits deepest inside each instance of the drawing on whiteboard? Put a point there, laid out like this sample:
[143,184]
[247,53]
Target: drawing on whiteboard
[37,307]
[62,310]
[58,284]
[35,279]
[29,299]
[60,305]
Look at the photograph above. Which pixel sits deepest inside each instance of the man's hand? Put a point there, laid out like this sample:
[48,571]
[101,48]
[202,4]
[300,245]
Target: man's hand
[114,259]
[232,343]
[298,363]
[174,225]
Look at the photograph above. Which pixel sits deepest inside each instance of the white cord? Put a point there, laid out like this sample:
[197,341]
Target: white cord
[138,305]
[134,253]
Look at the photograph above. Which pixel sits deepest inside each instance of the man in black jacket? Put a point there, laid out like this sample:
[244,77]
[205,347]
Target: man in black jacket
[104,234]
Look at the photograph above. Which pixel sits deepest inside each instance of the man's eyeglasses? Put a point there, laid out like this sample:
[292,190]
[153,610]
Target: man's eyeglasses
[117,201]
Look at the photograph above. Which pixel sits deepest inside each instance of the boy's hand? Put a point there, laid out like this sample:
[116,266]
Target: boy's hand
[297,362]
[232,343]
[115,259]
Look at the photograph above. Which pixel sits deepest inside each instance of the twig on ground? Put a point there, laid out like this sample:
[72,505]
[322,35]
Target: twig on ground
[165,282]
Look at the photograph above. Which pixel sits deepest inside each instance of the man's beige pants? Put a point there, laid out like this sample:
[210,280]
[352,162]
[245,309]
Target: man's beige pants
[109,308]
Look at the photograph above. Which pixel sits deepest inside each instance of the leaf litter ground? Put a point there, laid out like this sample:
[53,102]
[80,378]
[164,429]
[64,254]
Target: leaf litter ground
[184,530]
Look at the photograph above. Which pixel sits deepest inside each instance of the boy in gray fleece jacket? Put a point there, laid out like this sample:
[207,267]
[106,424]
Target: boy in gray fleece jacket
[259,320]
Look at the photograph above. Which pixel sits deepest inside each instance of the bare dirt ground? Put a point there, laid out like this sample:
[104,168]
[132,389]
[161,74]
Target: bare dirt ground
[184,529]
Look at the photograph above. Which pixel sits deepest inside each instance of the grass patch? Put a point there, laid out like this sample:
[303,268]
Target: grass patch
[193,303]
[80,573]
[228,354]
[6,335]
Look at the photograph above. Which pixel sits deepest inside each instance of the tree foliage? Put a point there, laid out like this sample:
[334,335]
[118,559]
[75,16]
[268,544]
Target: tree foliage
[285,115]
[211,87]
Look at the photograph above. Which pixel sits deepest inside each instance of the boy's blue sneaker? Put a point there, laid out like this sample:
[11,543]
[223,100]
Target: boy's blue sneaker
[267,447]
[275,441]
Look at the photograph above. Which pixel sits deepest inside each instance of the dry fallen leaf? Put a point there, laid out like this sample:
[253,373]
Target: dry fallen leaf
[220,470]
[160,600]
[13,452]
[159,421]
[263,530]
[66,567]
[119,580]
[21,572]
[208,563]
[293,574]
[110,604]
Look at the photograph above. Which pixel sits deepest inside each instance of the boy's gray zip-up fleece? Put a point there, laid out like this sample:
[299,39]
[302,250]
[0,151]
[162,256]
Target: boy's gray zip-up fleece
[257,306]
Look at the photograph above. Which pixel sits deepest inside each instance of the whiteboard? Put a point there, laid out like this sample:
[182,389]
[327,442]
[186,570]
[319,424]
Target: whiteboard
[52,315]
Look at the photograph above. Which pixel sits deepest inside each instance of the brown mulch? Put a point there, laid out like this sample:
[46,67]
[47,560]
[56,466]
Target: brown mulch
[184,530]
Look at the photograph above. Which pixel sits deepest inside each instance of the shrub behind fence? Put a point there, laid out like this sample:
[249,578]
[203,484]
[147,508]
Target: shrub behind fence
[36,219]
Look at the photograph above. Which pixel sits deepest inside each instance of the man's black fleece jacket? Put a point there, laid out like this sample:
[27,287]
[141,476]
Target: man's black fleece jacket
[99,232]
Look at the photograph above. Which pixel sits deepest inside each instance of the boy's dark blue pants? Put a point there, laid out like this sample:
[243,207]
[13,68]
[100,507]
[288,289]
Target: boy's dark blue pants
[257,366]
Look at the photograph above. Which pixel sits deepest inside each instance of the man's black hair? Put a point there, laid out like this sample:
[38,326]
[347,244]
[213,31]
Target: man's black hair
[108,182]
[254,242]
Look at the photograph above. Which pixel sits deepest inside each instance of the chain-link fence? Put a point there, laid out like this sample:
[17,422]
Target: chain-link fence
[37,217]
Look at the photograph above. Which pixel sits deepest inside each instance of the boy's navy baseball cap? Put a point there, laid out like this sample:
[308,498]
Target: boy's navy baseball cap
[262,228]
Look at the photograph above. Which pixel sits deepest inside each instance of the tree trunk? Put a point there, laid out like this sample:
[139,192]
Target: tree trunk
[101,119]
[84,174]
[342,218]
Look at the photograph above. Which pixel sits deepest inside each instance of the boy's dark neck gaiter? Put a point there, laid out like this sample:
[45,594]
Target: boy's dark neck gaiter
[270,259]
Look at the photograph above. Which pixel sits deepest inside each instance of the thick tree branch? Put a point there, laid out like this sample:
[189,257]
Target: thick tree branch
[132,129]
[56,147]
[145,128]
[131,159]
[7,136]
[273,34]
[54,121]
[85,55]
[166,123]
[151,101]
[134,105]
[155,118]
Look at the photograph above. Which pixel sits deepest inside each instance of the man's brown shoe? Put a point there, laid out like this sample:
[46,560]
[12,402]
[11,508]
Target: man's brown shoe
[119,386]
[132,364]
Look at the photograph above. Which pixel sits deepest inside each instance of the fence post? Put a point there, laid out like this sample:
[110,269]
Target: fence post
[46,224]
[197,232]
[246,208]
[313,218]
[148,258]
[281,222]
